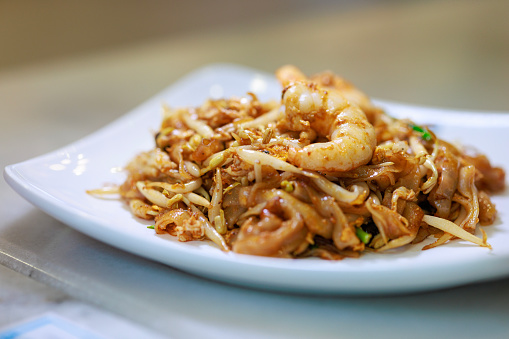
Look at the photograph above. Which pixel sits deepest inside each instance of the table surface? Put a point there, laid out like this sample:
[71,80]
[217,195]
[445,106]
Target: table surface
[449,54]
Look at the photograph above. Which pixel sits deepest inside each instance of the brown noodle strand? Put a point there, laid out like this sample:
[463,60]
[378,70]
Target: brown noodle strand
[322,173]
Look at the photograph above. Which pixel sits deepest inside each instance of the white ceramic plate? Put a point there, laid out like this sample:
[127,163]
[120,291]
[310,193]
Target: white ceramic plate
[56,183]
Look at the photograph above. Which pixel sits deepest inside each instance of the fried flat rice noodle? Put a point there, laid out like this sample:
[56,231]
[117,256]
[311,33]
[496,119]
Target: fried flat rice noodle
[323,173]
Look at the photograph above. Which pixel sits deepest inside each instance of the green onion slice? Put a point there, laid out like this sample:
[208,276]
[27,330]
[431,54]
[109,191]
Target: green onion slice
[424,133]
[363,236]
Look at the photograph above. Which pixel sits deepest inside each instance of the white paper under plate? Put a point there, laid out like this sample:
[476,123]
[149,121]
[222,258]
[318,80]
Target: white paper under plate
[56,183]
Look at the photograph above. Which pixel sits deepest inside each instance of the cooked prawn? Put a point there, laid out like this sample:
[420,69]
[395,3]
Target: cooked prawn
[352,138]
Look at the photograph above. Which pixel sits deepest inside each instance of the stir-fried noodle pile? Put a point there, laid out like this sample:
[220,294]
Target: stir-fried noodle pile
[323,173]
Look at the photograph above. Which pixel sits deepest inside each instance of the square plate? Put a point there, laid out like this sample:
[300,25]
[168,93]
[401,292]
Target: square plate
[57,184]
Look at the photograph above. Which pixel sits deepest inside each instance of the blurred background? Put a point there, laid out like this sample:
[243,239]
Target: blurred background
[452,53]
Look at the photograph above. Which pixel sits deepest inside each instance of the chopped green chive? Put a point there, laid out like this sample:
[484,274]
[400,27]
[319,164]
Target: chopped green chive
[151,227]
[365,237]
[424,134]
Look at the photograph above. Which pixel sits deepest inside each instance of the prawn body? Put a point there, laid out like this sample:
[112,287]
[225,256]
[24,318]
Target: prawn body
[310,108]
